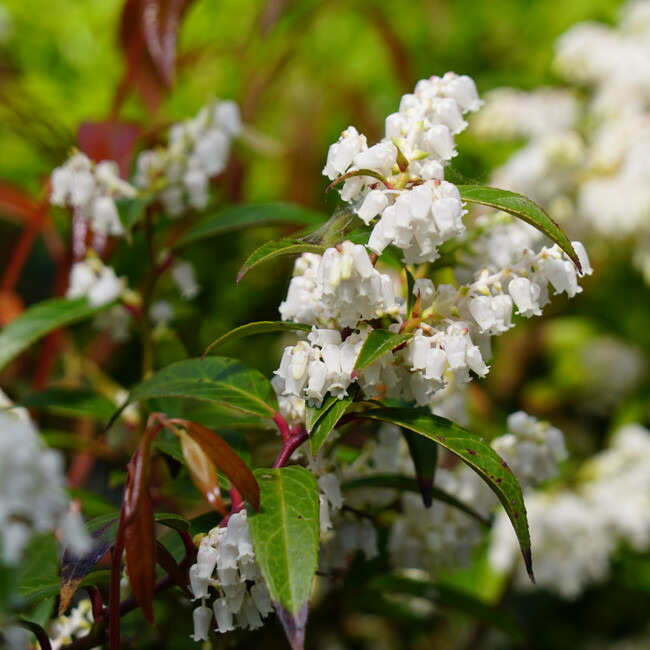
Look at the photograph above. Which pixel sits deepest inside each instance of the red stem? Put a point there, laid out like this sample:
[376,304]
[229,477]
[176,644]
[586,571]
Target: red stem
[283,426]
[290,445]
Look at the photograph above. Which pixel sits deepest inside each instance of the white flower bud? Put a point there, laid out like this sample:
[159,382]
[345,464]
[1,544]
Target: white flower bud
[206,560]
[202,616]
[223,616]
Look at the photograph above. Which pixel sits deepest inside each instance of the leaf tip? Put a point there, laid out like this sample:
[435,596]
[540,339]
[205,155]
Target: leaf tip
[426,490]
[528,561]
[293,624]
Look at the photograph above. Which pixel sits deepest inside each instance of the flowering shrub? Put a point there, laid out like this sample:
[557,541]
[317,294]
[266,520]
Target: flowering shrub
[394,303]
[358,453]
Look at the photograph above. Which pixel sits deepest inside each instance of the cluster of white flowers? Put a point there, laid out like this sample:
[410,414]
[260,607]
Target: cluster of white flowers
[576,532]
[399,189]
[452,338]
[416,209]
[91,189]
[587,163]
[93,279]
[198,150]
[76,625]
[32,494]
[532,448]
[226,564]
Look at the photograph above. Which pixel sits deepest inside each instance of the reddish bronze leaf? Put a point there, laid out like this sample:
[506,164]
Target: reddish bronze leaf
[137,524]
[109,140]
[148,34]
[224,458]
[203,472]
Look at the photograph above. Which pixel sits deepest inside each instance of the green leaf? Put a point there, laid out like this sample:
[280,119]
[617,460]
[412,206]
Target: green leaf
[523,208]
[75,402]
[286,535]
[410,296]
[243,216]
[130,211]
[218,380]
[378,343]
[321,421]
[477,454]
[277,248]
[175,522]
[39,577]
[451,598]
[424,453]
[41,319]
[406,483]
[260,327]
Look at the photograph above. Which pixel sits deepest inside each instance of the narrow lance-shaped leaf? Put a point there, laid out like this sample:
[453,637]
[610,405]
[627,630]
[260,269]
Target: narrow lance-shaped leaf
[522,208]
[260,327]
[320,422]
[242,216]
[277,248]
[137,529]
[477,454]
[41,319]
[222,455]
[378,343]
[218,380]
[286,533]
[75,568]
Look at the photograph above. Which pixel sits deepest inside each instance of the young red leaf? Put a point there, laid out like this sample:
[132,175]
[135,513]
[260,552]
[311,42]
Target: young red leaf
[224,458]
[137,528]
[109,140]
[203,472]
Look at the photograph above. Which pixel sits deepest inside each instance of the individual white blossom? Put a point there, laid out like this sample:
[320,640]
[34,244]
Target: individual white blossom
[32,488]
[184,276]
[91,189]
[99,283]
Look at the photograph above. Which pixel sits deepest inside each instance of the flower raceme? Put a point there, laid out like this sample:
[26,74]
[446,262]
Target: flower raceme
[397,188]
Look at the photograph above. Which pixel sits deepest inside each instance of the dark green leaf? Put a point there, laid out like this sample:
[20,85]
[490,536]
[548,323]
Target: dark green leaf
[522,208]
[477,454]
[242,216]
[39,577]
[75,402]
[41,319]
[424,453]
[410,296]
[260,327]
[451,598]
[277,248]
[286,536]
[175,522]
[333,411]
[378,343]
[130,211]
[406,483]
[215,379]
